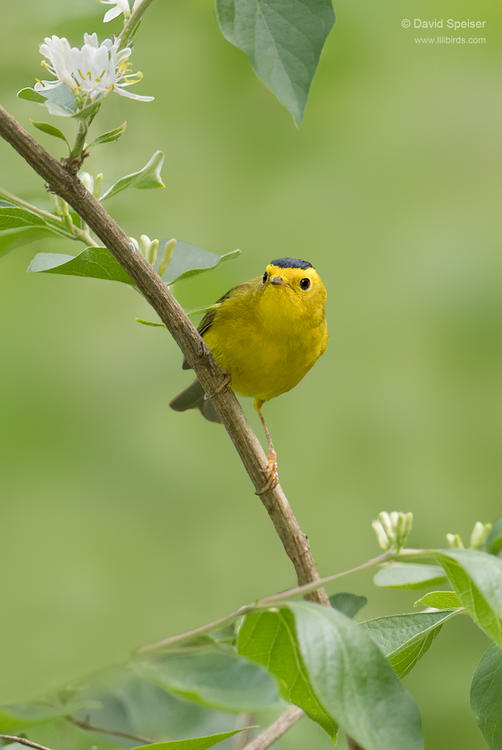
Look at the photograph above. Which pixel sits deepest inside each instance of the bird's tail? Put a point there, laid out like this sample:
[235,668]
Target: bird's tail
[194,397]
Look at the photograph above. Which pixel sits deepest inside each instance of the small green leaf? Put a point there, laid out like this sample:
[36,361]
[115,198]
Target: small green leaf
[283,40]
[486,689]
[408,575]
[145,178]
[16,218]
[31,95]
[111,135]
[349,604]
[215,678]
[493,542]
[404,639]
[197,743]
[188,260]
[477,578]
[269,638]
[439,600]
[150,323]
[94,262]
[46,127]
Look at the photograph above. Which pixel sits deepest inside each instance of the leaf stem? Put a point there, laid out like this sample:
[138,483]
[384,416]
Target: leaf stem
[264,602]
[130,27]
[29,207]
[57,223]
[78,146]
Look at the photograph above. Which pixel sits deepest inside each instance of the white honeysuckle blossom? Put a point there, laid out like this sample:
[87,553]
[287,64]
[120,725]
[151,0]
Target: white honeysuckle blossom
[121,6]
[94,70]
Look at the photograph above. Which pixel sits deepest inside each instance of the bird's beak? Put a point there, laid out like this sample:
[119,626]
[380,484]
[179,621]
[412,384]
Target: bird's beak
[278,281]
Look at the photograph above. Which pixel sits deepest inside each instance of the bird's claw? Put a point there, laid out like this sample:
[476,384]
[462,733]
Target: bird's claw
[272,473]
[226,382]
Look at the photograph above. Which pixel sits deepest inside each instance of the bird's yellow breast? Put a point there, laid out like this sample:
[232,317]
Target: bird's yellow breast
[268,335]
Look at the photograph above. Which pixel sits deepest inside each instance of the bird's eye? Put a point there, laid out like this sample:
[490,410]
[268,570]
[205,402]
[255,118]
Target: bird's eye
[304,283]
[265,277]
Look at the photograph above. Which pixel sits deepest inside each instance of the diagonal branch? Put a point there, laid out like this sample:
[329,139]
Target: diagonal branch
[149,283]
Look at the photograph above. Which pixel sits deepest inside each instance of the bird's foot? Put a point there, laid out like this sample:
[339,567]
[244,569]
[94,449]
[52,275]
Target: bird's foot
[226,382]
[272,473]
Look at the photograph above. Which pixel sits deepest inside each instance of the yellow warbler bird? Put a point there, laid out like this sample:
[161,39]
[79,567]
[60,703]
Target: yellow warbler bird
[266,334]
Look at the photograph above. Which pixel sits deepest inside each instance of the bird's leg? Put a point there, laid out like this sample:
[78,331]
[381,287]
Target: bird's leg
[273,476]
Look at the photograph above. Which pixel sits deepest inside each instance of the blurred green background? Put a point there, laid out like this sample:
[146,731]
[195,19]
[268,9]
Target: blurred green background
[122,521]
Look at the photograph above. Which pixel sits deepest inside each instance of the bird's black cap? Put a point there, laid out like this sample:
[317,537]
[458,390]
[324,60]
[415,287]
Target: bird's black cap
[291,263]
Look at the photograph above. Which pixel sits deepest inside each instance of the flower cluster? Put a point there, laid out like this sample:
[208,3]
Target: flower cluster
[93,71]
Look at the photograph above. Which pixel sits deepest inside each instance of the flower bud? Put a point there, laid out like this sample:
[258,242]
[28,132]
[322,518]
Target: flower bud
[381,536]
[479,534]
[87,181]
[168,254]
[455,541]
[392,529]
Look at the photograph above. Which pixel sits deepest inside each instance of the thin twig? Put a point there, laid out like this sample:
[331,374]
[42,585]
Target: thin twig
[92,728]
[276,729]
[23,741]
[307,588]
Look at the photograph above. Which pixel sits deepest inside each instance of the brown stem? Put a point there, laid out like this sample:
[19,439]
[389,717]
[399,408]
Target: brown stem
[116,732]
[23,741]
[69,187]
[276,729]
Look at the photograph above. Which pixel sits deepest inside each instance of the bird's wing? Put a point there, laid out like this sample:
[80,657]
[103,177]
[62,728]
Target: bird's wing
[208,319]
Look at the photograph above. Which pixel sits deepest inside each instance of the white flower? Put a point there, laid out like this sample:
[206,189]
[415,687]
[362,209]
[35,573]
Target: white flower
[94,70]
[121,6]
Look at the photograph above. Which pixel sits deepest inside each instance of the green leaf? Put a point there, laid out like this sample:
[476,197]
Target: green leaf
[147,177]
[354,681]
[127,702]
[12,238]
[349,604]
[197,743]
[94,262]
[486,689]
[110,135]
[404,639]
[46,127]
[216,678]
[31,95]
[24,715]
[188,260]
[269,638]
[493,542]
[12,217]
[150,323]
[408,575]
[477,578]
[439,600]
[283,40]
